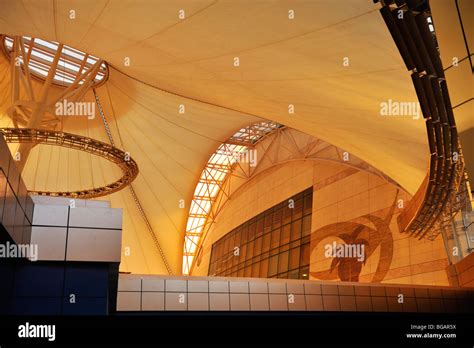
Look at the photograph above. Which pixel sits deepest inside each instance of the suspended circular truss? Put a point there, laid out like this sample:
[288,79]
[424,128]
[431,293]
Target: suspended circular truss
[122,159]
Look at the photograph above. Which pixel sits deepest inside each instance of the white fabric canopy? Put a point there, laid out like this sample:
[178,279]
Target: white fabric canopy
[190,61]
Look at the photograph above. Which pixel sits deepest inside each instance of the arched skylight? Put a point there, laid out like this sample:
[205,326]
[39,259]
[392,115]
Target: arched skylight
[211,180]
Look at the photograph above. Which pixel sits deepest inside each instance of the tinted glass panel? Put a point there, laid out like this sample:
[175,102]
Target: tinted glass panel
[285,234]
[266,242]
[273,244]
[273,266]
[283,262]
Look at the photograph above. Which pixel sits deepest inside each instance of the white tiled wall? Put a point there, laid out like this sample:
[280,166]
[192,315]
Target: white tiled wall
[168,293]
[89,231]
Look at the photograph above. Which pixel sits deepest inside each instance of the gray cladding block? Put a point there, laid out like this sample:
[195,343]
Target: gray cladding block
[90,232]
[51,242]
[93,244]
[153,301]
[238,294]
[95,217]
[128,282]
[129,301]
[50,215]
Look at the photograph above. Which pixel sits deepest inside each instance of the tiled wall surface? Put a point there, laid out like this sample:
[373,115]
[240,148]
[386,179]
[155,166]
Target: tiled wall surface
[86,232]
[465,271]
[16,207]
[162,293]
[89,231]
[344,197]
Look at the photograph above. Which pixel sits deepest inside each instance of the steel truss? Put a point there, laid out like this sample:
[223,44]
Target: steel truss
[28,62]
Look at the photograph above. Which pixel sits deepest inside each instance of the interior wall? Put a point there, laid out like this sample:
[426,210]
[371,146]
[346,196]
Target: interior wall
[283,62]
[344,198]
[360,208]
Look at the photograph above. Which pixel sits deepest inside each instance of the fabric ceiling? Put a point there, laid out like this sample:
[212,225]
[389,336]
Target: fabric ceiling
[190,61]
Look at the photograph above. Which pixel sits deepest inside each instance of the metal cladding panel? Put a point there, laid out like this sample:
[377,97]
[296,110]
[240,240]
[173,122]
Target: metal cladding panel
[50,215]
[95,217]
[87,244]
[51,242]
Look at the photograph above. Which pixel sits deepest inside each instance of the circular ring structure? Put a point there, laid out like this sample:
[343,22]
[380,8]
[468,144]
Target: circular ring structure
[127,165]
